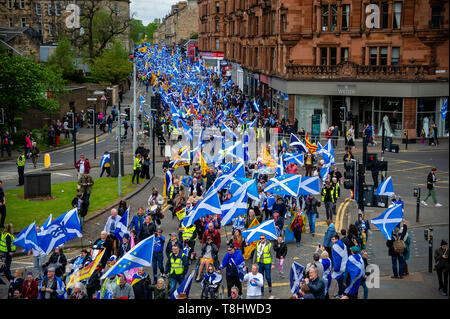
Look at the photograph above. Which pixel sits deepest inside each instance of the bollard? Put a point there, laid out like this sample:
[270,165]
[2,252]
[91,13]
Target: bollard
[47,161]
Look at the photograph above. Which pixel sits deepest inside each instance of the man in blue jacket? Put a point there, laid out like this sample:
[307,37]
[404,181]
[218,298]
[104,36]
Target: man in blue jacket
[234,261]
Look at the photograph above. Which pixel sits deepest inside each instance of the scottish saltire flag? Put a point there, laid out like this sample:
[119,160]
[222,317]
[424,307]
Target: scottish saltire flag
[266,228]
[288,184]
[27,238]
[106,158]
[245,185]
[269,201]
[327,152]
[309,185]
[326,263]
[122,225]
[256,105]
[324,171]
[296,158]
[46,223]
[296,277]
[225,180]
[356,271]
[140,256]
[60,289]
[233,150]
[185,286]
[188,131]
[386,188]
[141,103]
[340,257]
[296,142]
[210,205]
[62,229]
[226,167]
[186,181]
[234,207]
[245,146]
[227,130]
[444,109]
[388,220]
[280,167]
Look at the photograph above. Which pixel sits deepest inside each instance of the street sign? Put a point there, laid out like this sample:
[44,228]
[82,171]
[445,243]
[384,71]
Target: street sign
[99,92]
[104,98]
[94,99]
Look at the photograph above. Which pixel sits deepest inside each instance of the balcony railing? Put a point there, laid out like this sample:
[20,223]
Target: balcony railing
[350,70]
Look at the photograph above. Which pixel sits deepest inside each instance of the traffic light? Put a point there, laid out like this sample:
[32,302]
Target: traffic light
[349,174]
[343,114]
[91,116]
[70,120]
[127,112]
[371,161]
[2,116]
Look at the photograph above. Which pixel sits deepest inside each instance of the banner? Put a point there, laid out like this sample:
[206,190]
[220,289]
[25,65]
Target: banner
[85,272]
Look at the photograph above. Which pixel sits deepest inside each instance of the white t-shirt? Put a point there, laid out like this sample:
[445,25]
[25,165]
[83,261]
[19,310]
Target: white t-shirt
[82,167]
[254,289]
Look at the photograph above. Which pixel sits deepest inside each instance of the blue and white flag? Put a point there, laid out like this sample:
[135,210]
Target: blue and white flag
[340,257]
[266,228]
[62,229]
[141,103]
[227,131]
[296,158]
[326,263]
[256,105]
[210,205]
[296,142]
[234,207]
[122,225]
[27,238]
[356,271]
[46,223]
[386,188]
[139,256]
[388,220]
[269,201]
[280,167]
[443,110]
[188,131]
[186,181]
[296,277]
[225,180]
[106,158]
[288,184]
[185,286]
[245,146]
[324,171]
[245,185]
[327,153]
[309,186]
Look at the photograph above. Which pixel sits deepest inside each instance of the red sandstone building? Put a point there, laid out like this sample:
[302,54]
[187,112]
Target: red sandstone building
[383,60]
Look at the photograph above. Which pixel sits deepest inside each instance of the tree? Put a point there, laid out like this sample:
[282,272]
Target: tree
[25,84]
[113,66]
[137,30]
[64,58]
[194,35]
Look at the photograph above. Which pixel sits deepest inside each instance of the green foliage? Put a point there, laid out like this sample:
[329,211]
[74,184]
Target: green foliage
[138,30]
[23,84]
[113,66]
[194,35]
[63,59]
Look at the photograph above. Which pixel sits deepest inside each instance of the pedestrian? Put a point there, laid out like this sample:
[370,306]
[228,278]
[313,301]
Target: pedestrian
[442,267]
[327,269]
[339,257]
[304,292]
[141,283]
[435,134]
[366,274]
[298,226]
[39,257]
[264,260]
[355,261]
[309,164]
[315,284]
[158,255]
[28,144]
[34,153]
[351,138]
[137,220]
[21,168]
[368,134]
[57,134]
[122,208]
[105,164]
[396,246]
[113,219]
[51,286]
[234,293]
[431,181]
[51,136]
[148,229]
[255,281]
[176,267]
[6,143]
[7,248]
[85,183]
[2,206]
[136,168]
[82,165]
[30,287]
[123,290]
[110,122]
[125,246]
[78,292]
[208,255]
[311,205]
[234,262]
[159,291]
[280,249]
[57,261]
[210,282]
[16,283]
[329,197]
[315,263]
[145,173]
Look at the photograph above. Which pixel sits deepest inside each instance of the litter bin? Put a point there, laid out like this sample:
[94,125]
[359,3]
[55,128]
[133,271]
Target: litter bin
[115,164]
[37,185]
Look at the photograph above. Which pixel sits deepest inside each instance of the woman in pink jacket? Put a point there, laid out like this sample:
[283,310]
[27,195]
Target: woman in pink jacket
[28,145]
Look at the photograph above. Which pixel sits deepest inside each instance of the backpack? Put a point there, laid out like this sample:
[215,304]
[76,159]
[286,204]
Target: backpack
[399,245]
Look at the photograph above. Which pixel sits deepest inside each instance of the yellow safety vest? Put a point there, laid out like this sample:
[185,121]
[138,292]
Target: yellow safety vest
[265,257]
[188,232]
[176,264]
[332,194]
[3,247]
[137,163]
[21,160]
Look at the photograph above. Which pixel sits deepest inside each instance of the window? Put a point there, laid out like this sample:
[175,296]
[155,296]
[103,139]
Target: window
[256,57]
[344,54]
[273,59]
[397,15]
[116,10]
[257,26]
[9,4]
[50,30]
[395,56]
[40,28]
[383,55]
[49,9]
[333,56]
[323,56]
[217,43]
[324,18]
[373,54]
[23,22]
[217,7]
[57,9]
[245,28]
[345,17]
[38,9]
[334,17]
[10,22]
[273,23]
[217,25]
[435,18]
[22,4]
[384,15]
[283,23]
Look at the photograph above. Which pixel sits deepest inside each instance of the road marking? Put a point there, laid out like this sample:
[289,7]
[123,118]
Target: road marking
[411,168]
[63,174]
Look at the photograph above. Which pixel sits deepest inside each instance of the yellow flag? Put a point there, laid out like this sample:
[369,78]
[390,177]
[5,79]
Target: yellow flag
[268,159]
[85,272]
[203,165]
[181,213]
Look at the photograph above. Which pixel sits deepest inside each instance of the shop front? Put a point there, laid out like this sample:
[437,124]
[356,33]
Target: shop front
[212,59]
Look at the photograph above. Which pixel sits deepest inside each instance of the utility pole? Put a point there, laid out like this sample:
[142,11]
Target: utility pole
[134,107]
[119,136]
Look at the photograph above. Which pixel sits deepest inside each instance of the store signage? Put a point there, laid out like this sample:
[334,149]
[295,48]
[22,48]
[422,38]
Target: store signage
[212,55]
[315,125]
[346,89]
[441,71]
[264,79]
[223,62]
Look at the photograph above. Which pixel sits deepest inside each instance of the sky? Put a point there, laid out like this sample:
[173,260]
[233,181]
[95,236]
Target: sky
[148,10]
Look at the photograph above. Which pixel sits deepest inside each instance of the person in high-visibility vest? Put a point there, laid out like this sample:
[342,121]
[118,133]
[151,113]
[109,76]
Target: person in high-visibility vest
[264,260]
[329,198]
[176,267]
[7,248]
[21,168]
[136,168]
